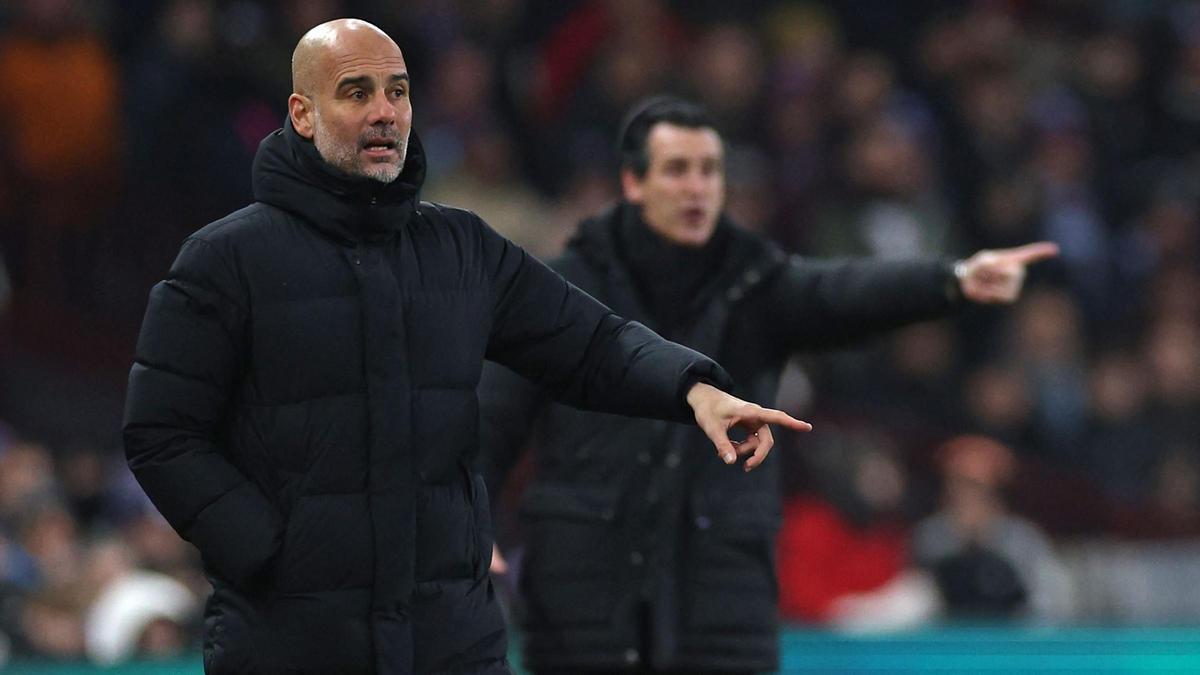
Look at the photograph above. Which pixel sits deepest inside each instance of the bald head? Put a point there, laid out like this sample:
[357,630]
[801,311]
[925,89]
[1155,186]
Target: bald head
[324,45]
[350,97]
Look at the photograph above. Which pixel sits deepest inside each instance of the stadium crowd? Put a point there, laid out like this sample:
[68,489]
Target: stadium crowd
[854,128]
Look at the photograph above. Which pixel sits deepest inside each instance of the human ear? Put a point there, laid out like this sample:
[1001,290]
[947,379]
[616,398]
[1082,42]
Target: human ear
[631,186]
[300,110]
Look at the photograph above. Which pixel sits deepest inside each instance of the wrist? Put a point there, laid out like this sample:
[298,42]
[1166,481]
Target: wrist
[697,392]
[956,277]
[960,270]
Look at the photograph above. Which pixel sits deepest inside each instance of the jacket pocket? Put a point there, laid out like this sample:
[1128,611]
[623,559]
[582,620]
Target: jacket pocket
[730,572]
[568,575]
[482,533]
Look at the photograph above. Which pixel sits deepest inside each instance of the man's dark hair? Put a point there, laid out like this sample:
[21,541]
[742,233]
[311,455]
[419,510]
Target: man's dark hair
[631,142]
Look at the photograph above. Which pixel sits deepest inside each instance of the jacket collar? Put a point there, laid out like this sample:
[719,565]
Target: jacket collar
[748,260]
[290,174]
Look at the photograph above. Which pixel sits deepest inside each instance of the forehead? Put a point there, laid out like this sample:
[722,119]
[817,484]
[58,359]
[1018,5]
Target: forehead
[363,55]
[669,140]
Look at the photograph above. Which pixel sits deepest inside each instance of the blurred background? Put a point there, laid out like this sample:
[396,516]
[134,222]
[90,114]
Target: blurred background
[1065,428]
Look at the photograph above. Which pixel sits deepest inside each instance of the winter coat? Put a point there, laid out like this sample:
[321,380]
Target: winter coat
[302,409]
[642,549]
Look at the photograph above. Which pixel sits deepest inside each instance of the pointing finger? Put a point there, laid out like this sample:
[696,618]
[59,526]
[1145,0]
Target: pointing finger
[766,416]
[1031,253]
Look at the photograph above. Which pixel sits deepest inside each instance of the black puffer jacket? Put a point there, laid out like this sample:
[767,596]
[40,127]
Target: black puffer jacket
[642,548]
[302,409]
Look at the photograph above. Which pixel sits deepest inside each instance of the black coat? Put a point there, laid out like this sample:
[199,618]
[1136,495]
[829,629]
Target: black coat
[302,409]
[634,527]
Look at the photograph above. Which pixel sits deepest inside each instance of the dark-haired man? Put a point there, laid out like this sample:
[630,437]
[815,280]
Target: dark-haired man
[302,407]
[641,554]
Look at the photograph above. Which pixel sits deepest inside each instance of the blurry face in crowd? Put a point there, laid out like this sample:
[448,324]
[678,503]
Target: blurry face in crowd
[683,190]
[354,100]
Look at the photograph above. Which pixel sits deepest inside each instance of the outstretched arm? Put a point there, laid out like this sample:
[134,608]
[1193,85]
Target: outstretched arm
[577,350]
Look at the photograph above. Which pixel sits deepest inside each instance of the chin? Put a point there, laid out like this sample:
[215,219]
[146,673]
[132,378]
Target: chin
[693,238]
[385,174]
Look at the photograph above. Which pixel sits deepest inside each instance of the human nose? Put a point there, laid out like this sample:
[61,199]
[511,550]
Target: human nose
[382,110]
[696,182]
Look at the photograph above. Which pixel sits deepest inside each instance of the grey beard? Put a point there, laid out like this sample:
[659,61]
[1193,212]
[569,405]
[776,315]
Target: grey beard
[345,157]
[386,173]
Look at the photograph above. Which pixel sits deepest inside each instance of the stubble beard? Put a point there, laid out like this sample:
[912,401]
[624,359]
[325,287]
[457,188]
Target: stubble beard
[345,156]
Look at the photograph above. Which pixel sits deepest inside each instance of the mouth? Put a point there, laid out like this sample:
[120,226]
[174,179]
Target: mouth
[379,148]
[694,215]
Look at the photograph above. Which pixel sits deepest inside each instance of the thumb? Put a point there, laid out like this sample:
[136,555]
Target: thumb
[499,565]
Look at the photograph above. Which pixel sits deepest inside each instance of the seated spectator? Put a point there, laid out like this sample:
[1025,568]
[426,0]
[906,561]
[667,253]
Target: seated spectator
[842,556]
[988,562]
[140,614]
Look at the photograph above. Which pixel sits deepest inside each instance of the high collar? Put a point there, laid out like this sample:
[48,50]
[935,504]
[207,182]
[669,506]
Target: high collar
[602,241]
[290,174]
[599,238]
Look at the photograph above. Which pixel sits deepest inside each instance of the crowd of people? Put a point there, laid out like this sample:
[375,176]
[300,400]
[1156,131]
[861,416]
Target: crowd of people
[895,130]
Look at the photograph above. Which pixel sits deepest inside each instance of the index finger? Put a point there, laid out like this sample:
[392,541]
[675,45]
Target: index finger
[1031,253]
[769,416]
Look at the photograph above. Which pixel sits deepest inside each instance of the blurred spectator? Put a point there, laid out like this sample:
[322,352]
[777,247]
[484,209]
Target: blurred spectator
[180,81]
[52,625]
[1172,352]
[461,107]
[140,614]
[988,561]
[83,476]
[601,58]
[1048,346]
[52,147]
[727,78]
[843,555]
[486,181]
[51,536]
[26,477]
[890,208]
[1072,214]
[1180,93]
[998,403]
[1124,448]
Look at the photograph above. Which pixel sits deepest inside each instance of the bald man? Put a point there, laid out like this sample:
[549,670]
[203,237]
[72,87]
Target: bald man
[302,405]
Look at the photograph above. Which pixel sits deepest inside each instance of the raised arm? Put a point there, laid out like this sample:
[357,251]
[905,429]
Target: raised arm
[179,392]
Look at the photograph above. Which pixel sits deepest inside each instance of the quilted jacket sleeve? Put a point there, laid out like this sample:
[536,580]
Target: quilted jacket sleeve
[565,340]
[817,304]
[179,393]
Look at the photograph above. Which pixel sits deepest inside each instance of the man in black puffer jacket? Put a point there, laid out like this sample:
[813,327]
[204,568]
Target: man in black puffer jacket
[642,555]
[302,407]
